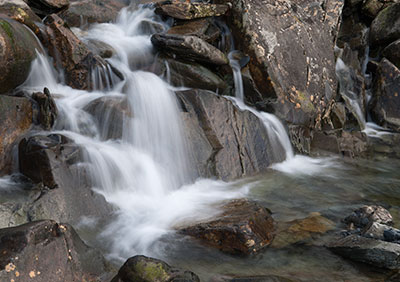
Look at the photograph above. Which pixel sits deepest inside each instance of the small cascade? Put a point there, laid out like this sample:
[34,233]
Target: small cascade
[237,75]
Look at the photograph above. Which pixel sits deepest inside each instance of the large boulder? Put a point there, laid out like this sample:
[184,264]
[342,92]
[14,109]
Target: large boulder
[20,11]
[243,227]
[82,12]
[16,118]
[385,104]
[392,53]
[46,7]
[189,11]
[225,141]
[291,45]
[17,51]
[386,26]
[47,251]
[145,269]
[73,55]
[189,47]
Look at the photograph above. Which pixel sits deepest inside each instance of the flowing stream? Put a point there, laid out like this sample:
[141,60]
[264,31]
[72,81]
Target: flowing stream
[147,176]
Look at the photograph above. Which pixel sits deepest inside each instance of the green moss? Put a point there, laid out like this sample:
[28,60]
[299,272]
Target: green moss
[7,28]
[151,271]
[306,104]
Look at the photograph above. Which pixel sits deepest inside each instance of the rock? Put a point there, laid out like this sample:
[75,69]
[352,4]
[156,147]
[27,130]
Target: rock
[47,109]
[47,251]
[240,142]
[375,230]
[291,48]
[385,103]
[391,235]
[111,115]
[44,158]
[47,7]
[371,8]
[188,11]
[365,215]
[370,251]
[189,48]
[244,227]
[81,12]
[18,49]
[392,53]
[145,269]
[386,26]
[18,10]
[100,48]
[16,118]
[190,74]
[301,230]
[262,278]
[69,52]
[202,28]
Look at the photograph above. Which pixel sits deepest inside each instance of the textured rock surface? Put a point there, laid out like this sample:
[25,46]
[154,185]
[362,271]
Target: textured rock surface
[17,50]
[368,214]
[291,46]
[47,109]
[47,251]
[189,48]
[239,140]
[187,11]
[145,269]
[16,118]
[46,7]
[244,227]
[18,10]
[386,26]
[392,53]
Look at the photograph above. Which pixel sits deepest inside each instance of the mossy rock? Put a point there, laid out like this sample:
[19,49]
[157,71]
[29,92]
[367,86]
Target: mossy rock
[386,26]
[17,51]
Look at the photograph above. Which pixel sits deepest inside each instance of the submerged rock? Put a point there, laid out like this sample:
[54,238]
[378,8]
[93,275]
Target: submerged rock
[46,251]
[291,46]
[189,47]
[145,269]
[385,103]
[17,51]
[244,227]
[47,109]
[188,11]
[386,26]
[16,118]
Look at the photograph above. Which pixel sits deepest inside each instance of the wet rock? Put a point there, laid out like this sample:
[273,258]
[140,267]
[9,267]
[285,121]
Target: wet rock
[301,230]
[375,230]
[44,158]
[72,55]
[16,118]
[82,12]
[291,49]
[47,251]
[189,48]
[391,235]
[244,227]
[386,26]
[371,8]
[192,75]
[111,115]
[188,11]
[365,215]
[18,10]
[145,269]
[370,251]
[202,28]
[47,109]
[147,26]
[100,48]
[261,278]
[385,103]
[18,49]
[392,53]
[46,7]
[241,145]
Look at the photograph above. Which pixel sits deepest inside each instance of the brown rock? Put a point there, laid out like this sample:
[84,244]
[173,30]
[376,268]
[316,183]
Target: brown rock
[365,215]
[202,28]
[386,26]
[244,227]
[47,109]
[188,11]
[46,7]
[392,53]
[18,10]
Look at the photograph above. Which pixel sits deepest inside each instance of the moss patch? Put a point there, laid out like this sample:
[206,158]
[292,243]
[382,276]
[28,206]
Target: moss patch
[7,28]
[152,271]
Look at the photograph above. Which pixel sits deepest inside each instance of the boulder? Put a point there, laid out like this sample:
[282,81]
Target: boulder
[190,74]
[189,47]
[20,11]
[16,118]
[366,250]
[241,144]
[365,215]
[145,269]
[18,49]
[44,158]
[47,109]
[72,54]
[291,45]
[48,251]
[371,8]
[47,7]
[100,48]
[392,53]
[385,103]
[189,11]
[386,26]
[111,114]
[81,12]
[243,227]
[202,28]
[258,278]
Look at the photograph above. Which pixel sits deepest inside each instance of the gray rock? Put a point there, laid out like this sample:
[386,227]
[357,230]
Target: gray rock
[188,11]
[189,48]
[371,8]
[46,7]
[392,53]
[48,111]
[365,215]
[370,251]
[386,26]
